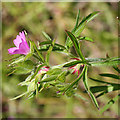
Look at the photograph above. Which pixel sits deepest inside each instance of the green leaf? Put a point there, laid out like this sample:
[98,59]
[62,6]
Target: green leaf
[110,75]
[79,96]
[90,17]
[54,71]
[31,95]
[111,102]
[116,68]
[109,61]
[87,88]
[85,38]
[41,57]
[49,51]
[68,41]
[46,47]
[27,80]
[72,63]
[102,93]
[77,21]
[28,56]
[76,45]
[46,36]
[108,88]
[17,60]
[100,81]
[61,76]
[94,99]
[31,47]
[81,27]
[50,42]
[37,70]
[74,82]
[95,59]
[31,86]
[85,79]
[50,78]
[76,34]
[24,67]
[19,96]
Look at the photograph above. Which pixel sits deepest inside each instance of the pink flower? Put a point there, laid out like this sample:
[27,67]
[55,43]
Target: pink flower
[21,45]
[44,69]
[76,68]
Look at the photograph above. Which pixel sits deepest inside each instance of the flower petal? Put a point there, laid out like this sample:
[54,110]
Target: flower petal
[22,35]
[17,41]
[24,48]
[21,45]
[13,50]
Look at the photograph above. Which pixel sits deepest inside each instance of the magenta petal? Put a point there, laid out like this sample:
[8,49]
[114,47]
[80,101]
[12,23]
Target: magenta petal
[22,35]
[24,48]
[17,41]
[21,45]
[13,50]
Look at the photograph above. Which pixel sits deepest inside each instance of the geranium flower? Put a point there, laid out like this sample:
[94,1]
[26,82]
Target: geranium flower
[21,45]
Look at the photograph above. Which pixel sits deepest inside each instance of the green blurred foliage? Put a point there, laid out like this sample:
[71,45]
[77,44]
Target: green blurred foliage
[54,19]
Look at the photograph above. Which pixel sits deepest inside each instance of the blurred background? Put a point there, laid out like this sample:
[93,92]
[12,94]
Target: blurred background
[54,19]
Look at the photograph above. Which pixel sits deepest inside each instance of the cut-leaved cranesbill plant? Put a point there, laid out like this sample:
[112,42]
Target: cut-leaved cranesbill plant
[42,75]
